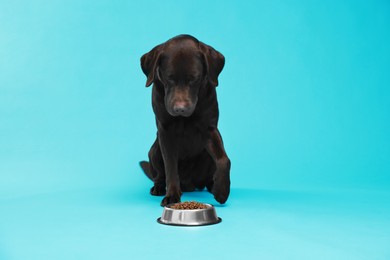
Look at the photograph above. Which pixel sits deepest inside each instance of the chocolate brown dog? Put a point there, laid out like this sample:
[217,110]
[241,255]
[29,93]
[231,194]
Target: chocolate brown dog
[188,153]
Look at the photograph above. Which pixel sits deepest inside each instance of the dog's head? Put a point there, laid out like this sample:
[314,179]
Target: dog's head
[182,66]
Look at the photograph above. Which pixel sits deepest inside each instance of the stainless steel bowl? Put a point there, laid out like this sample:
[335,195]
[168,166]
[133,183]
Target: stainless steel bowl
[189,217]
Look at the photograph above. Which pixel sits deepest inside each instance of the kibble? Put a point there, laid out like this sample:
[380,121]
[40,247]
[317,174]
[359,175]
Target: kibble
[189,205]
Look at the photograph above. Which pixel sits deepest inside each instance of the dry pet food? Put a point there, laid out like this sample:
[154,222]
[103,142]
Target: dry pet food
[189,205]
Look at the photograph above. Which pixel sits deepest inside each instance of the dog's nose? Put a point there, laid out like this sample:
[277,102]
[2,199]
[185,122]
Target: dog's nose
[181,108]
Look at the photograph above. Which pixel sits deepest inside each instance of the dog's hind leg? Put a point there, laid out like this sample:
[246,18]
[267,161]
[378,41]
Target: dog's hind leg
[155,169]
[146,168]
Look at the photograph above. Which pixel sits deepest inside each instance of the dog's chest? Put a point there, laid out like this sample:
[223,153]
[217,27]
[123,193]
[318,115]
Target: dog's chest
[190,137]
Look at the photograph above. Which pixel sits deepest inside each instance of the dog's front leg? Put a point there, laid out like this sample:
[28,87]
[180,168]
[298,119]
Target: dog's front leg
[221,178]
[170,156]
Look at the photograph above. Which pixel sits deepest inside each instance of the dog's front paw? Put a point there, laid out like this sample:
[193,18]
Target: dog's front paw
[221,190]
[170,200]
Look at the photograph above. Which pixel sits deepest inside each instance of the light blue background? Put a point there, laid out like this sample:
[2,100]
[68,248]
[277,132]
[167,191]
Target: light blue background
[305,108]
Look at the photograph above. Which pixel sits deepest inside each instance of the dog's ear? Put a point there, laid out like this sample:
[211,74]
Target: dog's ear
[214,62]
[149,63]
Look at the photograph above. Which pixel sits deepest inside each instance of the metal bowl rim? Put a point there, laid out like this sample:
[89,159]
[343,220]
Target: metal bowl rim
[190,225]
[209,206]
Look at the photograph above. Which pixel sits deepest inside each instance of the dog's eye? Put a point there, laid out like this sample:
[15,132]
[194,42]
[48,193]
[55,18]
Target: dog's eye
[192,80]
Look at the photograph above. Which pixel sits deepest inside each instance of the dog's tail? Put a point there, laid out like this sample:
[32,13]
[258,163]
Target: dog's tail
[146,168]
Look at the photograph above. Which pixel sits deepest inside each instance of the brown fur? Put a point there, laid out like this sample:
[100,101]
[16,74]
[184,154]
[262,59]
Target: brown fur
[188,152]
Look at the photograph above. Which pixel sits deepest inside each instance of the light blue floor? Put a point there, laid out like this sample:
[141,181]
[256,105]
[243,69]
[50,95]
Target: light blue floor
[120,223]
